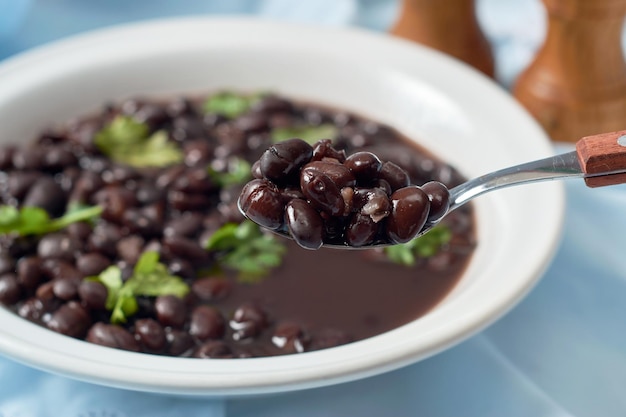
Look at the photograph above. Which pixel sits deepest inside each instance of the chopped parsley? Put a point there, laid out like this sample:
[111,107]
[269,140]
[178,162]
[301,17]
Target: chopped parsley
[36,221]
[308,133]
[424,246]
[229,104]
[237,172]
[245,248]
[128,141]
[150,278]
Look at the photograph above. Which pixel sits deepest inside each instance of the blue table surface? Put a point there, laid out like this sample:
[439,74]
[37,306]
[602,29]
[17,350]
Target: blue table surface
[560,352]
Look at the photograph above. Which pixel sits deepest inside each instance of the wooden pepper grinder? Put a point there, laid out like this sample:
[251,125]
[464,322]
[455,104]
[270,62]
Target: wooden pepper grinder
[450,26]
[576,85]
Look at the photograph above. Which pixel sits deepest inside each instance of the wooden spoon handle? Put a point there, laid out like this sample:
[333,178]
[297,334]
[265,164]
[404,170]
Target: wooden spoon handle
[601,156]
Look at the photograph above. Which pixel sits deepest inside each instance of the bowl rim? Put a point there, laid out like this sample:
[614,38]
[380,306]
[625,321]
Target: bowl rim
[274,374]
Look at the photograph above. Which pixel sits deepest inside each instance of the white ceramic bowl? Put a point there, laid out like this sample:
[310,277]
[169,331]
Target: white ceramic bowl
[454,111]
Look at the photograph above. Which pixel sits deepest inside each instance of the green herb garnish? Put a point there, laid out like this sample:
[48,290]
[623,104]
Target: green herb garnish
[237,172]
[36,221]
[129,142]
[150,278]
[229,104]
[307,133]
[422,247]
[245,248]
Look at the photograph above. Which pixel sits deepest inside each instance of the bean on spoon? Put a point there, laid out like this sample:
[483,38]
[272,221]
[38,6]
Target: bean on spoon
[360,202]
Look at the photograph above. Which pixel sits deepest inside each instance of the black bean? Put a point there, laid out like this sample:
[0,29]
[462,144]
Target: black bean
[186,127]
[10,291]
[321,191]
[211,289]
[194,180]
[181,247]
[18,183]
[179,106]
[262,203]
[104,239]
[45,291]
[281,163]
[48,195]
[150,334]
[7,264]
[290,337]
[181,268]
[59,246]
[68,178]
[364,165]
[167,177]
[86,185]
[338,173]
[206,323]
[93,294]
[29,272]
[152,114]
[115,202]
[186,225]
[251,123]
[130,248]
[256,170]
[92,263]
[119,174]
[409,214]
[148,193]
[439,197]
[361,230]
[181,201]
[28,158]
[180,342]
[198,152]
[79,230]
[70,319]
[323,149]
[55,268]
[65,288]
[6,157]
[394,175]
[56,158]
[373,202]
[170,310]
[214,349]
[272,104]
[34,309]
[112,335]
[248,321]
[305,224]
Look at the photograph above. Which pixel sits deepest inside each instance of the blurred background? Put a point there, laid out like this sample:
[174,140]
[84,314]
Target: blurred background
[28,23]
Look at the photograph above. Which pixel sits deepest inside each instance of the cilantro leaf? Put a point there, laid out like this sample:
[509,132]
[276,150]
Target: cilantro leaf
[237,172]
[36,221]
[150,278]
[229,104]
[424,246]
[245,248]
[307,133]
[127,141]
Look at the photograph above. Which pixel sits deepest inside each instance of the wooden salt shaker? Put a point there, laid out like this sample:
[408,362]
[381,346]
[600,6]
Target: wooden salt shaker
[576,85]
[450,26]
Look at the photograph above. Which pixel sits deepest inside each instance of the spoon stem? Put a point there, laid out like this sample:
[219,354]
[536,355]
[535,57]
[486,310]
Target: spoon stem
[599,159]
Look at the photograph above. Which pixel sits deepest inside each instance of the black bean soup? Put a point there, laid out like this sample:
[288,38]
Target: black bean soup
[122,229]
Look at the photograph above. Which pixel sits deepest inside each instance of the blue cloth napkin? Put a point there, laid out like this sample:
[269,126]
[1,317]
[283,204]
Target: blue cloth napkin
[560,352]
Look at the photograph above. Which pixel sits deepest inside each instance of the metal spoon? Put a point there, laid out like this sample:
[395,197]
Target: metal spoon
[599,159]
